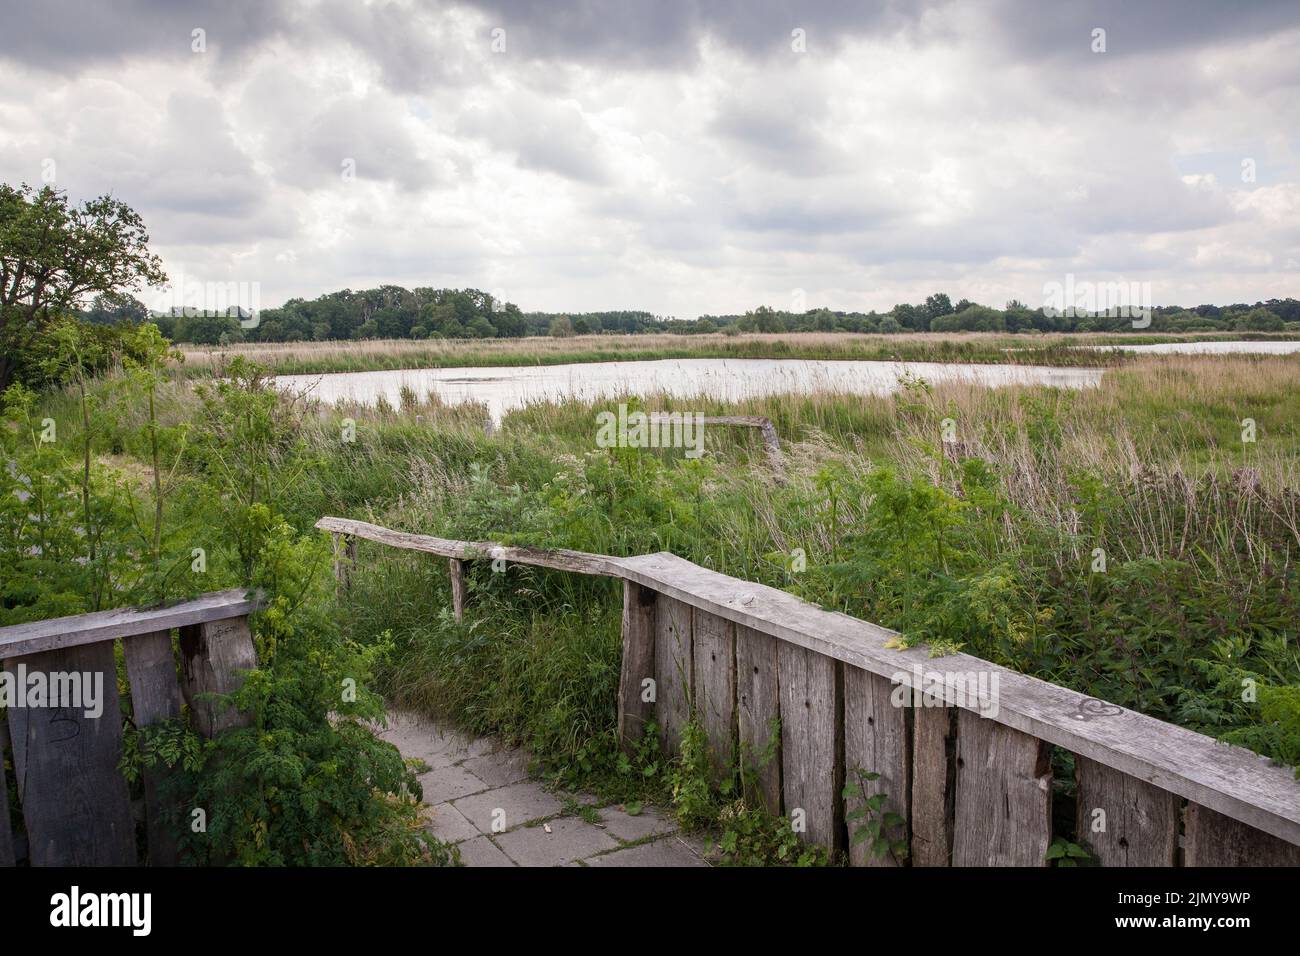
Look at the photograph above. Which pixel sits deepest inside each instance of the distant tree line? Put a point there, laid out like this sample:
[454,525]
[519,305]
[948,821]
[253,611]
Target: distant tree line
[393,312]
[938,314]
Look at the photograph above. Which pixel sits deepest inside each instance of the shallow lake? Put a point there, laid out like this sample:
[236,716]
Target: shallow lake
[508,388]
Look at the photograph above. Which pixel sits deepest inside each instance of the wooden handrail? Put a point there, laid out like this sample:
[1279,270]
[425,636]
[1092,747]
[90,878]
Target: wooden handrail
[1234,781]
[559,559]
[76,807]
[76,630]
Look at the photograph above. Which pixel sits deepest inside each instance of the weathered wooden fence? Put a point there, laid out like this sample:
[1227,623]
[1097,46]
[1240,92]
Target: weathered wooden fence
[794,698]
[73,801]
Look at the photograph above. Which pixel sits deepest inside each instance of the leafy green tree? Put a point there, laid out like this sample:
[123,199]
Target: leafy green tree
[117,307]
[54,255]
[481,328]
[1259,320]
[561,327]
[911,317]
[207,329]
[824,320]
[510,322]
[975,318]
[937,305]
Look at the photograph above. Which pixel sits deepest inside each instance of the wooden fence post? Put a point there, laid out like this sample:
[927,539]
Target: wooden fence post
[1123,820]
[714,650]
[214,656]
[758,706]
[345,560]
[75,802]
[875,741]
[458,592]
[1213,839]
[634,712]
[674,670]
[812,722]
[934,782]
[1004,796]
[155,697]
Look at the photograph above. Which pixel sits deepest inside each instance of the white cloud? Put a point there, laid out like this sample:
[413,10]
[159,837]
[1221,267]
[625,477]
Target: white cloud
[683,161]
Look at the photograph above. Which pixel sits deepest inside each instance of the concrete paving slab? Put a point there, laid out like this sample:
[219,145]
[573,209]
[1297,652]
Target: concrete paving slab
[499,769]
[666,852]
[426,739]
[570,839]
[649,822]
[519,803]
[480,851]
[448,824]
[448,783]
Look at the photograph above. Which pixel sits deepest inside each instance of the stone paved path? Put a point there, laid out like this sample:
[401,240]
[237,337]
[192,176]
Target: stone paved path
[480,796]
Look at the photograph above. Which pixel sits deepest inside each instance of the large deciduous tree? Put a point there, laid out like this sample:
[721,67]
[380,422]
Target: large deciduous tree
[54,256]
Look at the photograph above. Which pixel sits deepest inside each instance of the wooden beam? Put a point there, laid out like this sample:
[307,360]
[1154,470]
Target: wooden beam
[876,741]
[458,592]
[1004,796]
[674,671]
[811,723]
[77,630]
[559,559]
[934,783]
[638,665]
[214,657]
[758,713]
[75,802]
[1231,780]
[1123,820]
[345,558]
[155,697]
[1211,839]
[714,647]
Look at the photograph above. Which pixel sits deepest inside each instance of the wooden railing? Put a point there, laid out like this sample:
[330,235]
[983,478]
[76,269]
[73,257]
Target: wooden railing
[73,800]
[961,746]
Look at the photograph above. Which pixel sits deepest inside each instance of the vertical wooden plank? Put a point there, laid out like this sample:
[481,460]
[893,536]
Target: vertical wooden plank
[151,669]
[934,782]
[1004,796]
[75,802]
[674,667]
[714,648]
[457,587]
[1123,820]
[634,712]
[876,740]
[7,857]
[1212,839]
[758,706]
[811,742]
[155,697]
[345,559]
[213,659]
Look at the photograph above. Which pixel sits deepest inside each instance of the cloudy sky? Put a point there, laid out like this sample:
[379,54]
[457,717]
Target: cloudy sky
[688,157]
